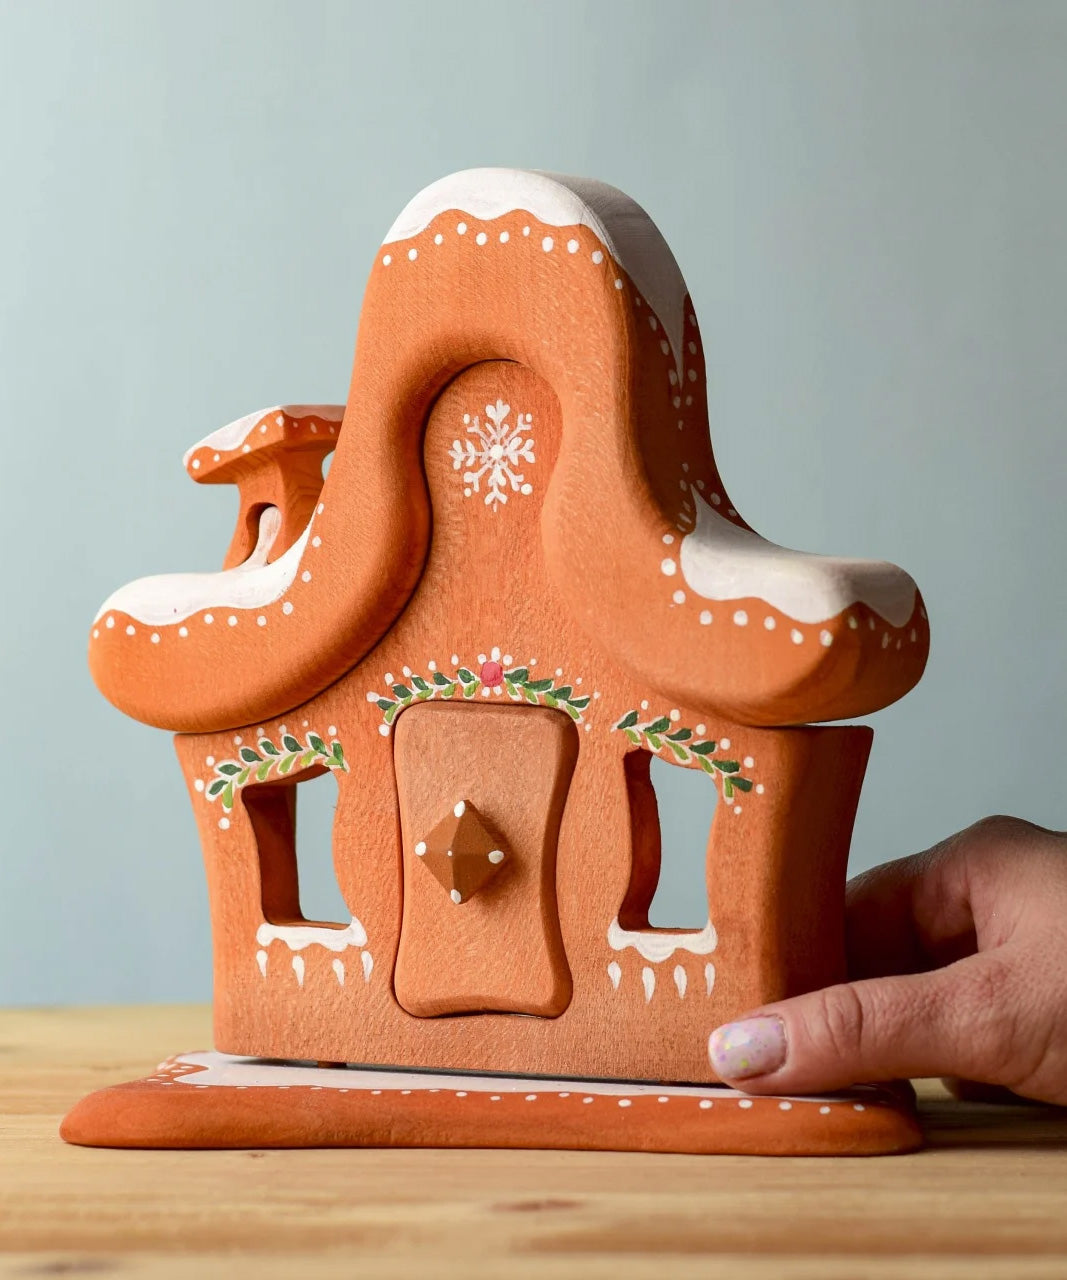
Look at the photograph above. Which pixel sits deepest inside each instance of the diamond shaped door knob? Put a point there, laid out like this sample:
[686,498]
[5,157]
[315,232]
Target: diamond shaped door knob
[461,852]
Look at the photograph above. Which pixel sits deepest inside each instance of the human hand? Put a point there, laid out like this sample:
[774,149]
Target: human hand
[958,961]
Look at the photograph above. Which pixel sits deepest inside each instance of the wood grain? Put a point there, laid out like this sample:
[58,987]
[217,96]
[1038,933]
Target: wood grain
[524,520]
[775,857]
[985,1200]
[502,949]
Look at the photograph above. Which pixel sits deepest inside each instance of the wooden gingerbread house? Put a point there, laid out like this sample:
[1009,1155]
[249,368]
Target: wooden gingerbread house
[521,579]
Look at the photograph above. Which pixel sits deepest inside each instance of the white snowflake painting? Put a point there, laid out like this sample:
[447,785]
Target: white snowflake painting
[493,457]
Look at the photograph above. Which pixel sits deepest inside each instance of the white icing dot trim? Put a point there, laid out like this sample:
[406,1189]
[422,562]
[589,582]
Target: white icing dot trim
[621,226]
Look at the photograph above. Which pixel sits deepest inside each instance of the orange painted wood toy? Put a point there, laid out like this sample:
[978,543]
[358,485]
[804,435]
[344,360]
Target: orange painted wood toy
[521,580]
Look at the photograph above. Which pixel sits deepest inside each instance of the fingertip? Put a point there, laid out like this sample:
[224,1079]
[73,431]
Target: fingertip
[749,1048]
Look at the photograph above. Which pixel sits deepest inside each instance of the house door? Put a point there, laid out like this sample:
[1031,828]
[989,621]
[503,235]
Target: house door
[482,791]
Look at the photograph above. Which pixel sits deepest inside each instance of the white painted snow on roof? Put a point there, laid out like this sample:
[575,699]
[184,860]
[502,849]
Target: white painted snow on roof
[558,200]
[166,598]
[721,561]
[234,434]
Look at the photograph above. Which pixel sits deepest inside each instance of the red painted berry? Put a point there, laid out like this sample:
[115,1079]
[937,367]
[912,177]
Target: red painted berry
[492,674]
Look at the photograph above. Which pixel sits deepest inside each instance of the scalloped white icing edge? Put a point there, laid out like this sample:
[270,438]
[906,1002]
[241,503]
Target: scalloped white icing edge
[298,936]
[720,560]
[560,200]
[235,433]
[166,598]
[658,945]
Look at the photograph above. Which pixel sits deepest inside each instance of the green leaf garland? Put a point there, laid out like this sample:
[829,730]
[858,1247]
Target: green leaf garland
[234,774]
[680,745]
[517,684]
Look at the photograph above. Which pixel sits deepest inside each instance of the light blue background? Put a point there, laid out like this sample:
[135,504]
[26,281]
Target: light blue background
[869,201]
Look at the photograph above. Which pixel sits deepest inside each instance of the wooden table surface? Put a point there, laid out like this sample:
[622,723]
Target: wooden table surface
[988,1198]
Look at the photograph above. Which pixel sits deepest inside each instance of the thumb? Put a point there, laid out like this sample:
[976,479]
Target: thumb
[949,1022]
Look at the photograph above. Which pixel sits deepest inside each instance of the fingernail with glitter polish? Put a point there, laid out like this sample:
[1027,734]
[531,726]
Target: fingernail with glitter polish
[752,1047]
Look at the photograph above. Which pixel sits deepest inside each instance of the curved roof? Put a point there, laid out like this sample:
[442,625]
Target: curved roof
[572,279]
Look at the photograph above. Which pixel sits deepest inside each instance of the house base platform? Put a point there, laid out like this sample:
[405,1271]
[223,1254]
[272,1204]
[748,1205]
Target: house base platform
[212,1100]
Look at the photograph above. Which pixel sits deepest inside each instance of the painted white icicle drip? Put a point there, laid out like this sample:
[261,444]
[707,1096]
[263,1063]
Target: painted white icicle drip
[658,945]
[709,977]
[615,974]
[722,561]
[298,969]
[680,978]
[367,960]
[298,936]
[261,960]
[648,981]
[338,966]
